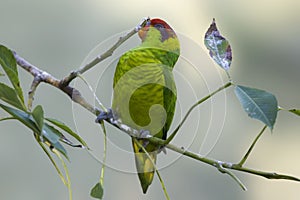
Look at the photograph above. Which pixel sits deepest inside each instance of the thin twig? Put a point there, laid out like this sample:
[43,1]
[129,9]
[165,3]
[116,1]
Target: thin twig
[227,165]
[35,83]
[94,94]
[74,94]
[101,181]
[232,175]
[268,175]
[103,56]
[45,77]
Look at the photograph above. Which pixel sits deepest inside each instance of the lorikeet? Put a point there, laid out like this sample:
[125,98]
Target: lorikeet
[144,95]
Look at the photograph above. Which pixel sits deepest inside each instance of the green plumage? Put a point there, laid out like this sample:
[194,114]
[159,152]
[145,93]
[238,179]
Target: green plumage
[145,94]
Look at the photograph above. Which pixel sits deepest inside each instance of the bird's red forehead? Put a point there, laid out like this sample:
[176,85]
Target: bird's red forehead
[159,21]
[154,23]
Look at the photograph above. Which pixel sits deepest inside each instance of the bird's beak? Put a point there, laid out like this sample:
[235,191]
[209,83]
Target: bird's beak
[143,31]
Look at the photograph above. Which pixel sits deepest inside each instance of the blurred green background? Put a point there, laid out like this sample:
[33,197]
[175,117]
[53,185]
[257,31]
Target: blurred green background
[58,35]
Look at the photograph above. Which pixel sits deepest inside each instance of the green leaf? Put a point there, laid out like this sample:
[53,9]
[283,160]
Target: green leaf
[295,111]
[1,74]
[62,137]
[24,117]
[56,132]
[38,116]
[53,136]
[97,191]
[9,64]
[48,134]
[259,104]
[67,129]
[219,48]
[9,95]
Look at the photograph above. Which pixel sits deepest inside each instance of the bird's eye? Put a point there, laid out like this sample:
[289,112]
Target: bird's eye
[159,26]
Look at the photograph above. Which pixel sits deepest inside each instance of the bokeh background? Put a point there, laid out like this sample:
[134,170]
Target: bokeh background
[59,35]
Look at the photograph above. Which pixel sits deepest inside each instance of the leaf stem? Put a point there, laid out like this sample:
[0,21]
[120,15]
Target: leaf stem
[68,183]
[169,139]
[94,94]
[104,154]
[251,147]
[51,159]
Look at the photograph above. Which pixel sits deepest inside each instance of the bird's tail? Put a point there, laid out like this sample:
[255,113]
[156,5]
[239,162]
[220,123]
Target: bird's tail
[144,165]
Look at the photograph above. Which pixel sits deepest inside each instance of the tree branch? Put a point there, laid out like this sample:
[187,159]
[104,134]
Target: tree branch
[227,165]
[63,85]
[42,76]
[105,55]
[35,83]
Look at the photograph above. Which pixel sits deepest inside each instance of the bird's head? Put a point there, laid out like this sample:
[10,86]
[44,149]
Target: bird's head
[165,30]
[158,32]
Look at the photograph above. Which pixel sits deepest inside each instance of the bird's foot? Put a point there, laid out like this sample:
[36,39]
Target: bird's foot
[144,143]
[104,115]
[144,134]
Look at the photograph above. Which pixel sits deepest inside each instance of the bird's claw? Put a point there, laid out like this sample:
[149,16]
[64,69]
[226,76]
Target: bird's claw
[104,115]
[144,134]
[162,149]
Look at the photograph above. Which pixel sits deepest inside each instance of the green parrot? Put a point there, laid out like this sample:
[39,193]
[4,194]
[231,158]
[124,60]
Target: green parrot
[144,96]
